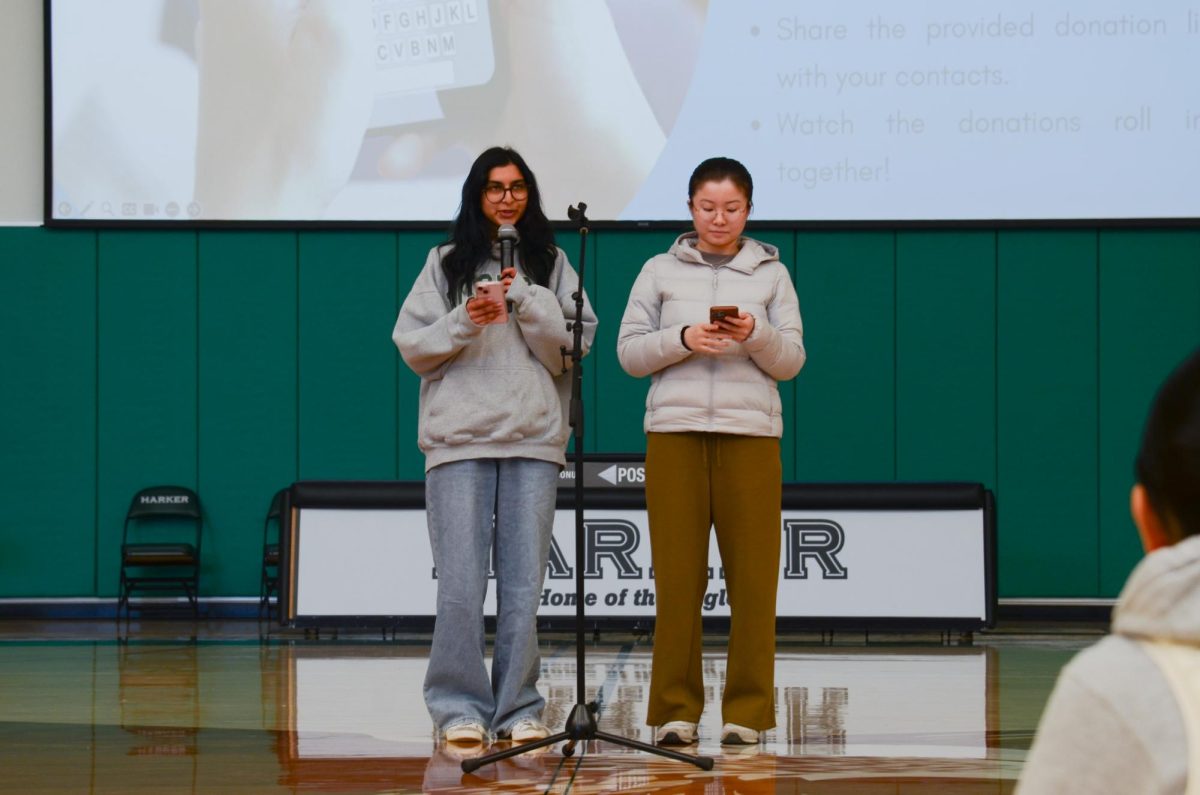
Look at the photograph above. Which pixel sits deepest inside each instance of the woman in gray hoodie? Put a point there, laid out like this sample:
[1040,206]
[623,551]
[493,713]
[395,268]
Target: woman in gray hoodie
[494,429]
[713,423]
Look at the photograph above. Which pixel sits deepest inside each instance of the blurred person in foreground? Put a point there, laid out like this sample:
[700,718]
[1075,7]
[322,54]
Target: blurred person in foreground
[1125,714]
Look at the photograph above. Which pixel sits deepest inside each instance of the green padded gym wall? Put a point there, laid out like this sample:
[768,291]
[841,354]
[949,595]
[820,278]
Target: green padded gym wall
[236,361]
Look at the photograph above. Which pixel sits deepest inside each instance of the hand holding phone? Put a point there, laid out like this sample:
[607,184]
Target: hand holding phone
[730,322]
[491,308]
[718,313]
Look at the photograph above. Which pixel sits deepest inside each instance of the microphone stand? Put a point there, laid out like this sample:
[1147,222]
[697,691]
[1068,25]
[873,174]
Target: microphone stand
[581,723]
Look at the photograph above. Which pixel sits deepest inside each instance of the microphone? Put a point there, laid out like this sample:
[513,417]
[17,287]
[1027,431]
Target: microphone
[509,236]
[508,239]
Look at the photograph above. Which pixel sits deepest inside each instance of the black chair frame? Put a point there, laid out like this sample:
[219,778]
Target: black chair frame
[171,565]
[269,579]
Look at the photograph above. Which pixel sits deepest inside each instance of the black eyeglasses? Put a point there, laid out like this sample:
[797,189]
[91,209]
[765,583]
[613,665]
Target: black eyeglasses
[494,192]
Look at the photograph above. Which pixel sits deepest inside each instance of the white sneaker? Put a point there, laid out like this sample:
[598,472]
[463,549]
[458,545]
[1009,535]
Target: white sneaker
[733,734]
[527,730]
[676,732]
[466,732]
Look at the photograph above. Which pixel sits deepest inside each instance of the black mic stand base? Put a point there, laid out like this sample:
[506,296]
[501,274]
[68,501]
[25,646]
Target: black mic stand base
[581,727]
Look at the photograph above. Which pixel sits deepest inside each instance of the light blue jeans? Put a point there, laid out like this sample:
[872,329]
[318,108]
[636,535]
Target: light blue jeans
[460,500]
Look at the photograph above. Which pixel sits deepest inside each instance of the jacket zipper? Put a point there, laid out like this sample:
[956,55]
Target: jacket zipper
[712,362]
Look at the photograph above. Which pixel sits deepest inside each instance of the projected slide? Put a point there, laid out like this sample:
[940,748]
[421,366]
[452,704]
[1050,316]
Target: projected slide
[372,110]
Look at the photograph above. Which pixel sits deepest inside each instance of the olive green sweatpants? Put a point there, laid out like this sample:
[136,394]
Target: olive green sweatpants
[694,482]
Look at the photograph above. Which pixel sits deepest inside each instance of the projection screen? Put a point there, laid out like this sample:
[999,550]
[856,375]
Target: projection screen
[200,111]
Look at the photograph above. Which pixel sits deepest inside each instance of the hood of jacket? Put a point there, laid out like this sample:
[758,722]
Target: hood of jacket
[1161,599]
[751,255]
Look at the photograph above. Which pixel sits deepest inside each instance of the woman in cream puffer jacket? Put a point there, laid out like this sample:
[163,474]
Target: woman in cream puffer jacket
[713,423]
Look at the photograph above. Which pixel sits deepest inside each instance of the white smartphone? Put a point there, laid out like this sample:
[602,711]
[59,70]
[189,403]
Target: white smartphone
[494,292]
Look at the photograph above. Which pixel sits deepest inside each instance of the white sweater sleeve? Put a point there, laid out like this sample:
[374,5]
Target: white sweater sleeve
[545,315]
[428,332]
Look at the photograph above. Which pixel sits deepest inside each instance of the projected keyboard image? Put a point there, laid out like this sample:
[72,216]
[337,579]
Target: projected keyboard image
[425,47]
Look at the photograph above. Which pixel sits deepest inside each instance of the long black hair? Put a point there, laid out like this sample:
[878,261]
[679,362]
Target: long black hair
[473,234]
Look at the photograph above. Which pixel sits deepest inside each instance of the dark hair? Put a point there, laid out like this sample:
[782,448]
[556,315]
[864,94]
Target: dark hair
[717,169]
[472,234]
[1168,463]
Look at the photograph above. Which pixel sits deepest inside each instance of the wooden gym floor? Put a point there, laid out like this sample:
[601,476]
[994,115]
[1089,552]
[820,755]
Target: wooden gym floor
[216,707]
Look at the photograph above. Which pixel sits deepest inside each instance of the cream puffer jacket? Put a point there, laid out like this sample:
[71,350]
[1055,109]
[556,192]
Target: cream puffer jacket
[736,391]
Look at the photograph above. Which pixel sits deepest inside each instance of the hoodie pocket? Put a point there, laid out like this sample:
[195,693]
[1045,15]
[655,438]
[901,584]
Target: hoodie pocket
[489,404]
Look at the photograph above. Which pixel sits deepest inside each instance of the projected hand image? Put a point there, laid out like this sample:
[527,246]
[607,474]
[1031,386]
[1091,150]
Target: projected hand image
[248,110]
[563,87]
[285,93]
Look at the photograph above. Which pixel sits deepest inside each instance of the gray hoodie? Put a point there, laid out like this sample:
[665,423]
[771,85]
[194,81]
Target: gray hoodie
[494,391]
[736,391]
[1112,725]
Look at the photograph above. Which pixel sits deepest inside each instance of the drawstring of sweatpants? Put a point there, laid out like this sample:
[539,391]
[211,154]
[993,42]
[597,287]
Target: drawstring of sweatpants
[713,440]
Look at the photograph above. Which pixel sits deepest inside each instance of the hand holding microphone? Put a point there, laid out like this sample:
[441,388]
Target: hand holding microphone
[488,304]
[509,237]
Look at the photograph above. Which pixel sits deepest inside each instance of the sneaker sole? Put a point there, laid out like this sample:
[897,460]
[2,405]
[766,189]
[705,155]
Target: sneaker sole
[528,738]
[465,740]
[673,738]
[736,739]
[470,738]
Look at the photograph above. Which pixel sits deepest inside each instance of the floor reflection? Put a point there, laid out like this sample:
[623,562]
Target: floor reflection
[159,696]
[216,715]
